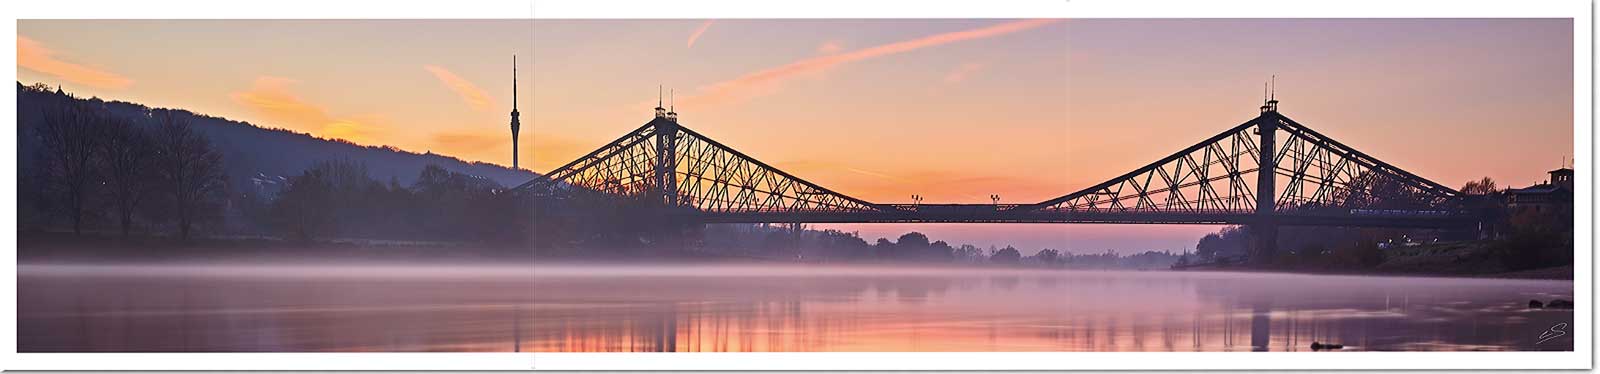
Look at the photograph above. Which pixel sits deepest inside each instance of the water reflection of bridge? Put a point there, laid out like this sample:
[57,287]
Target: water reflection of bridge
[971,313]
[1309,179]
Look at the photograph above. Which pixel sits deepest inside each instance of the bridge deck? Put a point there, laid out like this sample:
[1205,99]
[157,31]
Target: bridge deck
[1009,213]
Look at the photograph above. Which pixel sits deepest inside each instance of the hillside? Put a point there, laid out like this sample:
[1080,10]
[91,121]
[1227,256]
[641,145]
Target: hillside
[249,151]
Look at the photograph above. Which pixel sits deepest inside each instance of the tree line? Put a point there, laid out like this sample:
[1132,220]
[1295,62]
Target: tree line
[339,199]
[153,173]
[912,247]
[92,166]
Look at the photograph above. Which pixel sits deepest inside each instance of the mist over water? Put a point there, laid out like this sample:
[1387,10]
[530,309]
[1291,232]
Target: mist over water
[744,307]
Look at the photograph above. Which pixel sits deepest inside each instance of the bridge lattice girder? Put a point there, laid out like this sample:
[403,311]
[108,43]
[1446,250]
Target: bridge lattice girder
[1314,180]
[674,166]
[1313,174]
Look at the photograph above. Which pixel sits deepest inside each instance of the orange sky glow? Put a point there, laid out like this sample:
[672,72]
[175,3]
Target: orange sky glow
[952,110]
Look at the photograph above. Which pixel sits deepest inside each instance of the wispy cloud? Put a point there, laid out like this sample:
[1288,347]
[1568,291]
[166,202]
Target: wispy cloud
[962,72]
[34,56]
[830,47]
[698,31]
[470,93]
[273,98]
[873,173]
[764,80]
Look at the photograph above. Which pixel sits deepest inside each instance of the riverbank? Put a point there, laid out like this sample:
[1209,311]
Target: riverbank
[109,248]
[47,247]
[1564,272]
[1460,260]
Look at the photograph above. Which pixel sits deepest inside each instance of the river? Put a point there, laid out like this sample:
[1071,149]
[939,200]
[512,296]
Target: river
[566,308]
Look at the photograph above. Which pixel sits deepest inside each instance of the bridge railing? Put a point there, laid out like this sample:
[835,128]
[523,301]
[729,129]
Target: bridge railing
[953,208]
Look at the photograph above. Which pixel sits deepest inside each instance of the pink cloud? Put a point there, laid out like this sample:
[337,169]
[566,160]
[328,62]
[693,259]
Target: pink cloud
[275,100]
[34,56]
[764,81]
[698,31]
[830,47]
[470,93]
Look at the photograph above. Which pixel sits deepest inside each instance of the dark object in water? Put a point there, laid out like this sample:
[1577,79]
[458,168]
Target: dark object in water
[1315,346]
[1559,304]
[1535,304]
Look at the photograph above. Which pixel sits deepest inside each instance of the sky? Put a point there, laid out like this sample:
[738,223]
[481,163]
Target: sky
[952,110]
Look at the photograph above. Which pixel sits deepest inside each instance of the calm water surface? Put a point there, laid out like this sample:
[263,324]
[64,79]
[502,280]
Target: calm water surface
[765,308]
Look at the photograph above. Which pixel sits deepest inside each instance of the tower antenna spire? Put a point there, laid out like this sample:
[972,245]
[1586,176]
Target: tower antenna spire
[513,83]
[1274,85]
[516,123]
[660,112]
[672,111]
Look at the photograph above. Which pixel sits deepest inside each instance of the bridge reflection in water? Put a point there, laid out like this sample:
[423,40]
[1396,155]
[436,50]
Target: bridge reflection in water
[199,308]
[1039,311]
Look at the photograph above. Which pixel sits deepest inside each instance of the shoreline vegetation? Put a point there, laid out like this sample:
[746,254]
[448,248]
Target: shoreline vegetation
[91,248]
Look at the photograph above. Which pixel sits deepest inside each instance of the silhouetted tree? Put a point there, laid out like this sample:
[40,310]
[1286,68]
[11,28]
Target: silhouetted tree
[912,239]
[968,253]
[70,142]
[911,246]
[302,210]
[1487,202]
[1006,256]
[189,168]
[1047,257]
[1485,186]
[1230,241]
[883,249]
[128,154]
[1377,190]
[331,198]
[941,252]
[462,206]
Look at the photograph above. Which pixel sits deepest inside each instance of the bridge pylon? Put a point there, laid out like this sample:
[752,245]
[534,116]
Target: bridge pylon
[1265,228]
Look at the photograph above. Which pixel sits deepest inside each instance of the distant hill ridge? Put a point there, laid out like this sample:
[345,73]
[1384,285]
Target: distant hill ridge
[250,151]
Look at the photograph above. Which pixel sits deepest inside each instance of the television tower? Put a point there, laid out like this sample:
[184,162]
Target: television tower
[516,125]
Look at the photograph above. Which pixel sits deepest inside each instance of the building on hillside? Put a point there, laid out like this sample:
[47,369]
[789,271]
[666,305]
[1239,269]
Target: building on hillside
[267,188]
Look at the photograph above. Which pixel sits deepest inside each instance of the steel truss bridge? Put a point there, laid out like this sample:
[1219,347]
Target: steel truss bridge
[1265,172]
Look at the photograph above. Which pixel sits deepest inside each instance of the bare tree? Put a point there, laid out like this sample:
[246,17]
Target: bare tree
[128,154]
[189,168]
[69,139]
[1485,186]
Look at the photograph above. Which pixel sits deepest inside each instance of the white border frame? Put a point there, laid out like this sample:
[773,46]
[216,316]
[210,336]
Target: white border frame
[1580,11]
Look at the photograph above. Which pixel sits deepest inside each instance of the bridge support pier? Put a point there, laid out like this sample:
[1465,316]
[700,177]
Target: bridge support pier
[1266,242]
